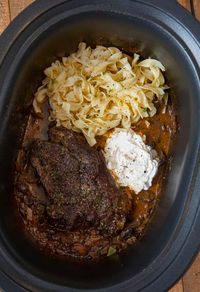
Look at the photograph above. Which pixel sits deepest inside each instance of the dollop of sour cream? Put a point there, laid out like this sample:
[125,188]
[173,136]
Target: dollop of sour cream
[132,163]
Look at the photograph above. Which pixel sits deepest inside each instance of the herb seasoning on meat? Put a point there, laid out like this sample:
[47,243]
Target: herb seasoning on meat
[69,201]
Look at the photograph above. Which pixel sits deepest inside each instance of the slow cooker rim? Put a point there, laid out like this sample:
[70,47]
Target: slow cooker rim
[3,38]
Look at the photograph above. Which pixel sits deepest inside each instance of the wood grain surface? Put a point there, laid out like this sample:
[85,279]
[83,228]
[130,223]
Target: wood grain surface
[4,14]
[10,9]
[16,6]
[191,280]
[186,4]
[196,8]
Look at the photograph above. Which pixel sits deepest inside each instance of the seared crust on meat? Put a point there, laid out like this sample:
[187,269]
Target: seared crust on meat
[74,192]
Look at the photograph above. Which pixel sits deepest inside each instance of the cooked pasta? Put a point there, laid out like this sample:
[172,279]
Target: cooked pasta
[94,90]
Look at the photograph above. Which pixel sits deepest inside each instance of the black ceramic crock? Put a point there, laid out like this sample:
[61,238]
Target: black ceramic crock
[49,29]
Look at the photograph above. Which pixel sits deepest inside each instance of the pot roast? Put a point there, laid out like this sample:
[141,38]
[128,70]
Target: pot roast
[65,188]
[79,188]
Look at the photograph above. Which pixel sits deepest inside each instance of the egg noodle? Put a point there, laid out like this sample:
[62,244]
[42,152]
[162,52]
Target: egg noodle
[94,90]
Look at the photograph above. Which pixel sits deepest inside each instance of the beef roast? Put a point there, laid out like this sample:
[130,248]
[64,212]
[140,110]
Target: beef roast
[79,189]
[68,201]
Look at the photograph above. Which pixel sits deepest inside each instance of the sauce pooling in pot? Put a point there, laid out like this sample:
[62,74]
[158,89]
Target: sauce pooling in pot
[88,242]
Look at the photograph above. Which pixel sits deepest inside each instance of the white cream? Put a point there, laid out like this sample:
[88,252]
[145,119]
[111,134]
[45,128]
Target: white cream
[133,163]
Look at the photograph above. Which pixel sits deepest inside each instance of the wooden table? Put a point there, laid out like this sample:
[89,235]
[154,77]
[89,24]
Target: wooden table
[8,10]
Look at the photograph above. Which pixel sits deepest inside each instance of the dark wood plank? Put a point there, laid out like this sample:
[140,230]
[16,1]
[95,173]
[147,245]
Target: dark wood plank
[4,15]
[16,6]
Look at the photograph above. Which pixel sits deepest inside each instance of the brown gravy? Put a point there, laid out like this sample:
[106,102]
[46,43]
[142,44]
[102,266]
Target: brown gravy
[159,131]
